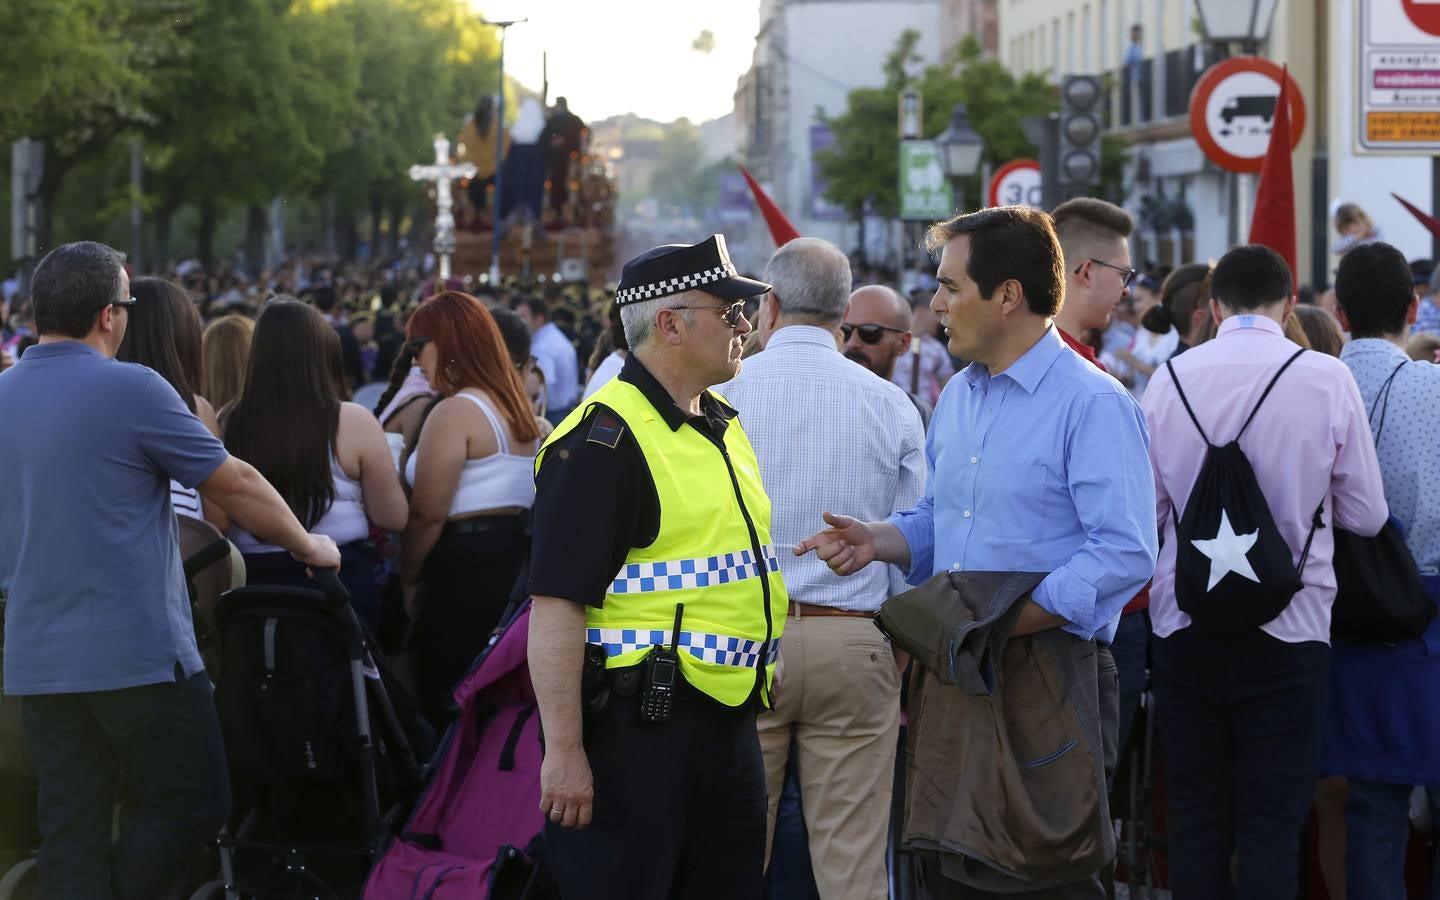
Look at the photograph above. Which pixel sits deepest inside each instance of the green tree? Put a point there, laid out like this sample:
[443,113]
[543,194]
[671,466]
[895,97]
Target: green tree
[678,180]
[863,163]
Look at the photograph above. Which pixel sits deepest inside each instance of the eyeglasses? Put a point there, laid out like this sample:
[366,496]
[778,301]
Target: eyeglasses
[870,332]
[126,304]
[732,314]
[416,344]
[1128,273]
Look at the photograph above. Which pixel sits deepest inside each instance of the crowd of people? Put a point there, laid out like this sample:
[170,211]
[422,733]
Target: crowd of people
[1169,463]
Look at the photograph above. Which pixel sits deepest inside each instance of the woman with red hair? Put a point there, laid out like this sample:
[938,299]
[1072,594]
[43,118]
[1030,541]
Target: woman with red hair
[472,474]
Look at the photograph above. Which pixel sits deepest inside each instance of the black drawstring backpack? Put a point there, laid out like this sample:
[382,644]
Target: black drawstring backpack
[1233,569]
[1380,596]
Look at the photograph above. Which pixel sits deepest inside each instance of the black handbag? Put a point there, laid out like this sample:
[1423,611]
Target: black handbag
[1380,596]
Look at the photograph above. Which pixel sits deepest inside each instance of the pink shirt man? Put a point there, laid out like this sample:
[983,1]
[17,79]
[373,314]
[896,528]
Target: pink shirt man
[1310,443]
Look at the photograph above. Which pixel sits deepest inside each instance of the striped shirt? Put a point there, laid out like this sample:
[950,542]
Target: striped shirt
[831,436]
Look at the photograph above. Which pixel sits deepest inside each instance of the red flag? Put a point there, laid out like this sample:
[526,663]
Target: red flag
[780,228]
[1429,221]
[1274,221]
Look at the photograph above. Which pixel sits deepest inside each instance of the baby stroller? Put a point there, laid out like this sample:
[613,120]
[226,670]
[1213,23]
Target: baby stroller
[319,740]
[475,831]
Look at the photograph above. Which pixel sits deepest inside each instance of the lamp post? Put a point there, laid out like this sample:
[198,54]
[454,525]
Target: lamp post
[1243,22]
[960,150]
[499,149]
[1247,23]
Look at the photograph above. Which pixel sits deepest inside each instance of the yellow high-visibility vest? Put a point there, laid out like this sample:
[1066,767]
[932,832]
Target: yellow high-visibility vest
[712,554]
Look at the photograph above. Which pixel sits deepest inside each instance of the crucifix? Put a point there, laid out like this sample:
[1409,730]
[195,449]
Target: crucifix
[441,174]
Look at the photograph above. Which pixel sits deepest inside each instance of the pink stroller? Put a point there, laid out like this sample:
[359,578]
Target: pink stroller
[475,832]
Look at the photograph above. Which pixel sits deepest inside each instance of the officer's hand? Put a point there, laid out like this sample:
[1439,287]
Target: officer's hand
[567,791]
[847,546]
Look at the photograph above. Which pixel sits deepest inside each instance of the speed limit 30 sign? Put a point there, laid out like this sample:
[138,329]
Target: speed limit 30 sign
[1017,183]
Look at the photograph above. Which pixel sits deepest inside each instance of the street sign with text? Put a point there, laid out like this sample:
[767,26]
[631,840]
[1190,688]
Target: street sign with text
[1398,97]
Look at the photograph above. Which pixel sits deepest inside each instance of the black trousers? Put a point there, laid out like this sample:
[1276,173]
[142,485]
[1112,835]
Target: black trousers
[468,577]
[164,740]
[1240,723]
[679,807]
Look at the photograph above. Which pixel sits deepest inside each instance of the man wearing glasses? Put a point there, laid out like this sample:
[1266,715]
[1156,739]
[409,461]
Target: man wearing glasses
[99,645]
[658,603]
[1094,236]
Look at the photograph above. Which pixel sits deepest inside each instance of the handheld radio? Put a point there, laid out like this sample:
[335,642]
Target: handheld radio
[662,672]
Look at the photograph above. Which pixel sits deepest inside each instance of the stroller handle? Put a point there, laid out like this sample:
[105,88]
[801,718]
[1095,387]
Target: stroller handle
[328,580]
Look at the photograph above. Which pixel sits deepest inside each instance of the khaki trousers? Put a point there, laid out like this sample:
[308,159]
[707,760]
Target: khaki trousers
[839,697]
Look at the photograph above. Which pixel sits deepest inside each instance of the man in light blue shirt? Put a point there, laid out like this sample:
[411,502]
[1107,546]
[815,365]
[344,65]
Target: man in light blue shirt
[1037,461]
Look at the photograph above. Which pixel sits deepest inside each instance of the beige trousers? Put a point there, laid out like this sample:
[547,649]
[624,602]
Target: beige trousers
[839,697]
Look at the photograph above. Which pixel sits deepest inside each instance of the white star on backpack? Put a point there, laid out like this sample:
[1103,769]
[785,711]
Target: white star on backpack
[1227,552]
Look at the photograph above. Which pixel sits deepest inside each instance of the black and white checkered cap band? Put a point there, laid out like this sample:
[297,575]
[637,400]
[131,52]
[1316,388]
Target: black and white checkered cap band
[674,285]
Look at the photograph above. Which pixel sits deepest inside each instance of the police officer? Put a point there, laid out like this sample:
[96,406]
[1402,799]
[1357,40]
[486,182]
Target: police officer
[658,604]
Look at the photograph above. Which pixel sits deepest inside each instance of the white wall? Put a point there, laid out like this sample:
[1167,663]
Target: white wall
[1368,180]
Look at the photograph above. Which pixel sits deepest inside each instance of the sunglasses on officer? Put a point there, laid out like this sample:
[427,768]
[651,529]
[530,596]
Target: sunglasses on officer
[870,332]
[732,314]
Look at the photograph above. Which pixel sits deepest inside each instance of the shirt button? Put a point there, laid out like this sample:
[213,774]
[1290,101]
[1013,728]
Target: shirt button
[967,513]
[974,460]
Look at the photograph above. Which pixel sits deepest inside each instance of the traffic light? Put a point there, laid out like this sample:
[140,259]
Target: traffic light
[1079,154]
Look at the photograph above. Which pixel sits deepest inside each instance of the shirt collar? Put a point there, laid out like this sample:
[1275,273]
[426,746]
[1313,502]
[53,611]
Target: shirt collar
[712,408]
[803,334]
[1379,346]
[1030,367]
[61,348]
[1249,320]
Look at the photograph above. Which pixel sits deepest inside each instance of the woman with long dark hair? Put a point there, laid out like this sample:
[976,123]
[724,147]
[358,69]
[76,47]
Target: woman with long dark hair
[326,457]
[472,480]
[164,335]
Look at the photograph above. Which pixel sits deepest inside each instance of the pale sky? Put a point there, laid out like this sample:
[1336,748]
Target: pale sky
[618,56]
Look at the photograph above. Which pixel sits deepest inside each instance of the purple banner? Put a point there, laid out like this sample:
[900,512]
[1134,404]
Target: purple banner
[821,138]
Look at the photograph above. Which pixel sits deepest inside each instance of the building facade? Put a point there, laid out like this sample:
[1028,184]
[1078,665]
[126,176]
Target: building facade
[809,54]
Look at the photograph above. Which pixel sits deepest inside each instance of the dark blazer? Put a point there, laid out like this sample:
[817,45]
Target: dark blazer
[1005,758]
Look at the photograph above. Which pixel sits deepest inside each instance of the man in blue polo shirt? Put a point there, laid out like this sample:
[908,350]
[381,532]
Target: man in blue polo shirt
[98,638]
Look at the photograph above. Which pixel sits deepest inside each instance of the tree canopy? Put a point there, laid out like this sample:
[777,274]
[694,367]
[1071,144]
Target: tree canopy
[236,102]
[863,163]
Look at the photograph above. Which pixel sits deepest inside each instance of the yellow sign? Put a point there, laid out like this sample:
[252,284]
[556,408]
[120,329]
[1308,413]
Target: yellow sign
[1402,126]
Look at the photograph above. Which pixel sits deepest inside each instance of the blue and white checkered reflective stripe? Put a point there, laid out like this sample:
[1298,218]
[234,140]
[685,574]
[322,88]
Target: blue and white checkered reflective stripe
[712,648]
[679,574]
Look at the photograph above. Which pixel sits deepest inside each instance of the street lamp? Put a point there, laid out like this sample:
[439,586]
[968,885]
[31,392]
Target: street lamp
[960,150]
[1243,22]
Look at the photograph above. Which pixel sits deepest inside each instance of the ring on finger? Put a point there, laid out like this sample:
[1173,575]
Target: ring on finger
[557,813]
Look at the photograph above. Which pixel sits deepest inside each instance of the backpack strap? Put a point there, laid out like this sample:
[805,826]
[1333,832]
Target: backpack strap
[1185,400]
[1317,522]
[1385,391]
[1268,388]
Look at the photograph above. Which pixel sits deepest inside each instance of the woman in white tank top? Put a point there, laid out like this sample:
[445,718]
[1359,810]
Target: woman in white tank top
[328,459]
[472,484]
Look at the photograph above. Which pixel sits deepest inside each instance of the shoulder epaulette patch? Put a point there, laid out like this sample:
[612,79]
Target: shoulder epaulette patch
[606,430]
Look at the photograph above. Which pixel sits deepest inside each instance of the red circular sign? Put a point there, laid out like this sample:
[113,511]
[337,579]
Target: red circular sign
[1425,16]
[1233,106]
[1014,183]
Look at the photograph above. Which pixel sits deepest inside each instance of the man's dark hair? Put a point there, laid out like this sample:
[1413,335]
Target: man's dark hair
[515,333]
[1375,288]
[72,284]
[538,308]
[1009,242]
[1250,277]
[1084,225]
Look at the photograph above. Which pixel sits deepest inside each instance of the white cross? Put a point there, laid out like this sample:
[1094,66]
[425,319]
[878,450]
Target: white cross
[441,174]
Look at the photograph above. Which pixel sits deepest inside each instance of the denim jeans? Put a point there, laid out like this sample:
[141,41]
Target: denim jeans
[790,876]
[164,741]
[1377,833]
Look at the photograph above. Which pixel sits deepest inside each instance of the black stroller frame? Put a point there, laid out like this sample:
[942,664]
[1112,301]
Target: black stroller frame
[330,611]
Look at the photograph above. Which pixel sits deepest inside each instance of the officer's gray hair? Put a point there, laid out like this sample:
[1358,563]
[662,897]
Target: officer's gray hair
[811,278]
[638,318]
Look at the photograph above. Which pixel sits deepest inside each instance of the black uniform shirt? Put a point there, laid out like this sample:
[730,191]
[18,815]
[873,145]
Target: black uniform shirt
[595,497]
